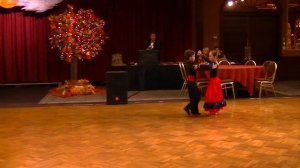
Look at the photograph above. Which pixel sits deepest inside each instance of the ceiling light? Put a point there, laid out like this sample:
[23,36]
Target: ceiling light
[230,3]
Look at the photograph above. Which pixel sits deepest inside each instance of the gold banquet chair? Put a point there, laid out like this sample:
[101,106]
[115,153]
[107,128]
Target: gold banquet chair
[266,64]
[228,84]
[268,81]
[184,77]
[250,62]
[225,84]
[201,83]
[224,62]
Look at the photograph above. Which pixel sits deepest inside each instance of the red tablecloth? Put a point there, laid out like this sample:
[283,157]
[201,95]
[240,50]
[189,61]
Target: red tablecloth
[244,74]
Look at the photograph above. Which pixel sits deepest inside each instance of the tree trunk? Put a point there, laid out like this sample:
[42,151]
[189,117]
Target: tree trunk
[74,69]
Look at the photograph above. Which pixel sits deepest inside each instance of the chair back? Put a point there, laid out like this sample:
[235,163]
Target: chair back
[224,62]
[271,71]
[250,62]
[266,64]
[183,71]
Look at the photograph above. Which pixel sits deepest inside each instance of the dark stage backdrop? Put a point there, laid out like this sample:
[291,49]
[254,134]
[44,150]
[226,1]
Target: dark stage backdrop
[25,55]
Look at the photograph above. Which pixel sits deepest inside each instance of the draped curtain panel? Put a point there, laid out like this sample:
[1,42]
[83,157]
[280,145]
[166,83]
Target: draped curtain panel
[25,54]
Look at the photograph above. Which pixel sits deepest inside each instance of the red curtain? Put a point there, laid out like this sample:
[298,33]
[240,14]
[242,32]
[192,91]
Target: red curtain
[25,54]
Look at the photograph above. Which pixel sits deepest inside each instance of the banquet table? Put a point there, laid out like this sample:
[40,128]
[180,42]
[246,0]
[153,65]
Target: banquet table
[243,74]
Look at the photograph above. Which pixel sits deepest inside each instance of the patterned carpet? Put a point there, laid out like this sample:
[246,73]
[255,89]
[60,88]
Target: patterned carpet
[133,96]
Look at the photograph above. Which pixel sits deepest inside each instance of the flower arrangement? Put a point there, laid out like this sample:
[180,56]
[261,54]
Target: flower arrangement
[74,88]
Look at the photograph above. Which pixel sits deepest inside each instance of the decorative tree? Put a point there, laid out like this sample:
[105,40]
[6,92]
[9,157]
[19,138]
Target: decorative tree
[77,36]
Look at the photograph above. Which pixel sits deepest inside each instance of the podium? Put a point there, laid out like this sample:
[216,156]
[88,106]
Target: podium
[148,57]
[148,61]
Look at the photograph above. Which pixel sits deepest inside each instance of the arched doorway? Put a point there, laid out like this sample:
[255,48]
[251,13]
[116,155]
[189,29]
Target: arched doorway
[250,29]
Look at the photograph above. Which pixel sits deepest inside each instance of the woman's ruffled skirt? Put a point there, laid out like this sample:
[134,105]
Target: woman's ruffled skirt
[214,99]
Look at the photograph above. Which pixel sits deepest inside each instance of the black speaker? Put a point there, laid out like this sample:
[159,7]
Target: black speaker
[116,87]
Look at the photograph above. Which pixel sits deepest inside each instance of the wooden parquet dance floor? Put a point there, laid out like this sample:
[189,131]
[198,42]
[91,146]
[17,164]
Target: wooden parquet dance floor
[260,133]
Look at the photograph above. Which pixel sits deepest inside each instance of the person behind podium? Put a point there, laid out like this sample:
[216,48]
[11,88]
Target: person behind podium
[154,43]
[149,61]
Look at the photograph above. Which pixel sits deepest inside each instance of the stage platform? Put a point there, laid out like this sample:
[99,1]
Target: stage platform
[39,94]
[133,96]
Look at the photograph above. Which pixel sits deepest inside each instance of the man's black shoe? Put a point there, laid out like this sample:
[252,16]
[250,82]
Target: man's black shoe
[186,109]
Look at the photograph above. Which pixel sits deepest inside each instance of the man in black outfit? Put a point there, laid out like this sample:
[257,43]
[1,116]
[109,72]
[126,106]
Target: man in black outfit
[154,44]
